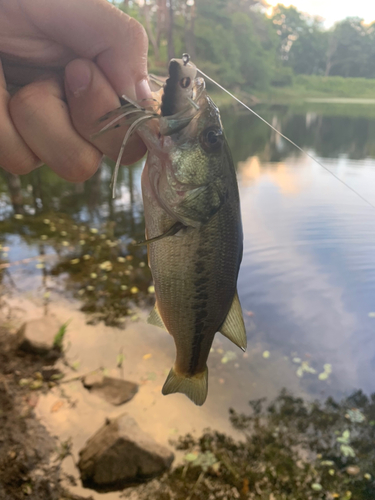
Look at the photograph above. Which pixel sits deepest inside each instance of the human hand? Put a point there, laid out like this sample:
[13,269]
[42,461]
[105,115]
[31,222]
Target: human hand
[68,62]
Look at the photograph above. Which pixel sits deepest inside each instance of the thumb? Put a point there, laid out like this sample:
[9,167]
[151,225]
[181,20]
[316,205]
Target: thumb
[96,30]
[90,96]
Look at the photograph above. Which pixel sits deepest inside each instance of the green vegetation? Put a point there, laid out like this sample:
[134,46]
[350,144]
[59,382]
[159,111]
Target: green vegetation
[315,86]
[59,337]
[286,54]
[290,450]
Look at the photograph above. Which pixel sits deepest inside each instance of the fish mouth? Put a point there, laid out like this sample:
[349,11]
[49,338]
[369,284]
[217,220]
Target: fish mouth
[173,123]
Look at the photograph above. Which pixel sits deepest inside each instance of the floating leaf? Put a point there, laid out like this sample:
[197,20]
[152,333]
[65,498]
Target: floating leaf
[93,276]
[74,261]
[228,356]
[121,259]
[86,257]
[367,476]
[317,487]
[297,360]
[191,457]
[151,376]
[142,264]
[323,376]
[65,243]
[299,372]
[93,230]
[345,438]
[37,384]
[18,216]
[24,382]
[347,450]
[44,237]
[134,289]
[371,314]
[355,416]
[266,354]
[46,221]
[331,472]
[124,287]
[64,233]
[106,266]
[147,356]
[151,289]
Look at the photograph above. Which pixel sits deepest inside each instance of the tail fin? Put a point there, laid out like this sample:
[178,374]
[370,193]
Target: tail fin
[195,387]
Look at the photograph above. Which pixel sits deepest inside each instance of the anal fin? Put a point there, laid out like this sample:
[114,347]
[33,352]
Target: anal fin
[234,327]
[155,319]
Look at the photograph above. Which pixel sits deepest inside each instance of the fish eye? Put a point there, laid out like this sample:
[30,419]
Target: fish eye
[185,82]
[211,139]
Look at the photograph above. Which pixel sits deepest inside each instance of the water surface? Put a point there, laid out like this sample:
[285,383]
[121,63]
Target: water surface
[307,280]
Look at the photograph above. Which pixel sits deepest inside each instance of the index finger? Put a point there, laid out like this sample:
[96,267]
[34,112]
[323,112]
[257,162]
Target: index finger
[97,30]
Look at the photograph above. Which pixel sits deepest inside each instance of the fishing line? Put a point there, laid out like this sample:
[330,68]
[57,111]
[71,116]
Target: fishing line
[286,138]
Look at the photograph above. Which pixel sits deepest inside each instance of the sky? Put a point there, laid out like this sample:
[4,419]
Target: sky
[333,10]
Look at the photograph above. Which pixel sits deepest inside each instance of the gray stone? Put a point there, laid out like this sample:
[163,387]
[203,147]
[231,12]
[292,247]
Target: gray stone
[120,453]
[38,335]
[114,390]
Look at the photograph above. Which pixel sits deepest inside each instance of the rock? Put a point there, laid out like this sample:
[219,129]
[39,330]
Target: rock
[120,453]
[114,390]
[38,335]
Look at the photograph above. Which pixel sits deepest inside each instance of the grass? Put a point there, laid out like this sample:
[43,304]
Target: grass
[59,337]
[312,86]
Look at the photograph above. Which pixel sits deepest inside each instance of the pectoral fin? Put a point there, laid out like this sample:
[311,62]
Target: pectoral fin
[233,327]
[155,318]
[170,232]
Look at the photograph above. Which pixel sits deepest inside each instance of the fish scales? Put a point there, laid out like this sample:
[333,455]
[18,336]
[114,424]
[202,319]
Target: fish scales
[195,277]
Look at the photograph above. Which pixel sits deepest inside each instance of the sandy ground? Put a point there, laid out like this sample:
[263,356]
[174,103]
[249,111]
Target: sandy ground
[70,412]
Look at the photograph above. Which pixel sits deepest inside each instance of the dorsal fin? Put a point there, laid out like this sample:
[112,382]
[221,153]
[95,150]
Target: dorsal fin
[233,327]
[155,318]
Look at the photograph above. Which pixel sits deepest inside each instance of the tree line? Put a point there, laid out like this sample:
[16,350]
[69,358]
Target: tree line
[239,43]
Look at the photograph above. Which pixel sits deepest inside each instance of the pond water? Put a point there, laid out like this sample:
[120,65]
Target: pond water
[307,280]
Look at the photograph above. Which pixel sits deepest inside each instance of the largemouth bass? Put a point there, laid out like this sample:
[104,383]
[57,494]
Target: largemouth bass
[193,227]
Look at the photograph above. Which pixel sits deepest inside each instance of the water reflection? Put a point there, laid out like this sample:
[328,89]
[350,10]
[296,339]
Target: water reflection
[308,273]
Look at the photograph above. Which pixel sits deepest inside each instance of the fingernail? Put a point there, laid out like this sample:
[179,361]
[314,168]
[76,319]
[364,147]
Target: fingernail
[142,90]
[78,76]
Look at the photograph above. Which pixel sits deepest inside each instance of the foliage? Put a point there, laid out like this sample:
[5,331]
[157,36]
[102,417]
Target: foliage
[291,450]
[242,46]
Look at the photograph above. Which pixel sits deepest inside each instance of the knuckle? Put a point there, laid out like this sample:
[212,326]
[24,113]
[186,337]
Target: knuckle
[19,165]
[138,34]
[78,167]
[31,98]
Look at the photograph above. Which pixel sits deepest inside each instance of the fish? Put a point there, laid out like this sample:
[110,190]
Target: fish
[193,226]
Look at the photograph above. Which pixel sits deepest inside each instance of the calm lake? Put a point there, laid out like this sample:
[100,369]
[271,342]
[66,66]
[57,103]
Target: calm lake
[307,280]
